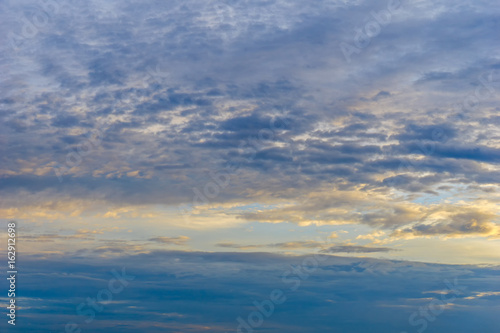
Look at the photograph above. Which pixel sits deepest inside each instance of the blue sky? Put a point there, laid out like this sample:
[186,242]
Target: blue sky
[207,145]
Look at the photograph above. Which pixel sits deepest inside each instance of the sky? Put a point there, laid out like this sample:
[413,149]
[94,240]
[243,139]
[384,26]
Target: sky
[336,161]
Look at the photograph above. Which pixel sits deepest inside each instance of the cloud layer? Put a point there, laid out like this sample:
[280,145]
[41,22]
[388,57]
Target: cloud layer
[171,291]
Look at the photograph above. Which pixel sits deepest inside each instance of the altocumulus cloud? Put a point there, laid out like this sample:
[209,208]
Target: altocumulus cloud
[180,83]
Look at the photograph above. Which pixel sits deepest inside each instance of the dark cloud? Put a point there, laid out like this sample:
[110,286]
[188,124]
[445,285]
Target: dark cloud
[187,83]
[459,224]
[381,95]
[65,121]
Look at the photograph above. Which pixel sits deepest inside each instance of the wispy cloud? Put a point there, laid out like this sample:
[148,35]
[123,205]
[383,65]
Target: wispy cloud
[181,240]
[356,249]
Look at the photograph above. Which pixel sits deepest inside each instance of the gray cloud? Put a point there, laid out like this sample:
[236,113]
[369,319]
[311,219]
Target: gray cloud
[284,245]
[356,249]
[181,240]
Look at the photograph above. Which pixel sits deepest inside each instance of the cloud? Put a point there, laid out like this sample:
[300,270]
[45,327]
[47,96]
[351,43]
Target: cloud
[225,285]
[181,240]
[237,246]
[284,245]
[471,223]
[401,143]
[356,249]
[79,235]
[492,295]
[393,141]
